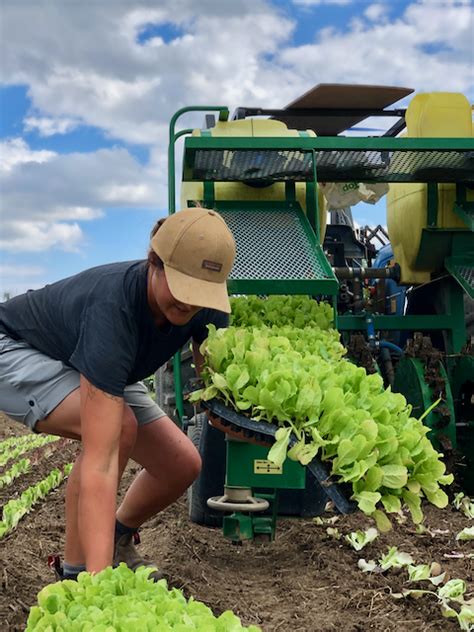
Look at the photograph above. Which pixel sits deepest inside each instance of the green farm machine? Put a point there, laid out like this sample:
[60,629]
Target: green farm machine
[410,317]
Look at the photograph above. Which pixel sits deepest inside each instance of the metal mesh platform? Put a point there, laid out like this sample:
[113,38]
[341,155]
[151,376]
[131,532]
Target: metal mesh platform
[339,159]
[253,165]
[462,268]
[334,166]
[276,251]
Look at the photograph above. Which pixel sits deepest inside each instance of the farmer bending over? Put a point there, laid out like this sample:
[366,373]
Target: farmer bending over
[72,355]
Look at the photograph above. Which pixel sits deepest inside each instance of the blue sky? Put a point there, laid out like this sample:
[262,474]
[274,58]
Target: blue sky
[87,90]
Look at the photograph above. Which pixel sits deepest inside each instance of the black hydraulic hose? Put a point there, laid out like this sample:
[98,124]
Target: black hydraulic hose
[392,272]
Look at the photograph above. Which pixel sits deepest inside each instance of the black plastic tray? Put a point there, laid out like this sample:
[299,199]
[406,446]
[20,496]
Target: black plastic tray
[265,433]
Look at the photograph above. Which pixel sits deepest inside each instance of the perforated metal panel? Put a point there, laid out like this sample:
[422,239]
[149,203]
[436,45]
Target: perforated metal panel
[467,273]
[252,165]
[333,166]
[273,245]
[462,268]
[396,166]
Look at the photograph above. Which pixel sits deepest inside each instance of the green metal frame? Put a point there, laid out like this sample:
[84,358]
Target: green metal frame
[410,380]
[463,207]
[384,156]
[327,285]
[461,241]
[452,321]
[339,143]
[247,466]
[173,136]
[388,149]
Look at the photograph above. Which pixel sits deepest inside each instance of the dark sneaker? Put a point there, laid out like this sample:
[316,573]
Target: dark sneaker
[125,551]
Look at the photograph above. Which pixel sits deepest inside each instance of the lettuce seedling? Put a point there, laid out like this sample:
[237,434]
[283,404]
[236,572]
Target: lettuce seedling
[466,534]
[395,559]
[359,539]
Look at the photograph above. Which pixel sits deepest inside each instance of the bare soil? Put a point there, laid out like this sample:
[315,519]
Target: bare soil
[304,581]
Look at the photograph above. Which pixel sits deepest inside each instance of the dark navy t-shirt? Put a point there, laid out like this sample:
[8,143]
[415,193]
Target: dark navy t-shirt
[99,322]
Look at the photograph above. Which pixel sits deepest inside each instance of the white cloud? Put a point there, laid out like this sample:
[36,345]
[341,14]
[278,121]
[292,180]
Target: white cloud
[311,3]
[28,236]
[109,80]
[15,151]
[44,198]
[47,126]
[83,64]
[395,53]
[376,12]
[78,185]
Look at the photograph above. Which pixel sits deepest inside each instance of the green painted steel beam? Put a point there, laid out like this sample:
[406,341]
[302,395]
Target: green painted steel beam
[328,143]
[173,137]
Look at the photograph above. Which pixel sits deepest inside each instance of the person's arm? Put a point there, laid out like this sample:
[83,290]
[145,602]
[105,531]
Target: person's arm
[101,421]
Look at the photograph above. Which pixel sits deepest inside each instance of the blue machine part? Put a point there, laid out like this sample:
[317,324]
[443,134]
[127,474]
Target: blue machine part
[395,294]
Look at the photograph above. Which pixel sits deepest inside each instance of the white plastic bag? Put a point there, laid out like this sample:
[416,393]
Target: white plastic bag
[343,194]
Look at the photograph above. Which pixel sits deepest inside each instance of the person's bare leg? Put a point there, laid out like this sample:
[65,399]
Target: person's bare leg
[65,421]
[171,463]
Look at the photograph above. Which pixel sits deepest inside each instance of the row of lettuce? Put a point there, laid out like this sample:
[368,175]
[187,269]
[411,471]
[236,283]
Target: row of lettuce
[115,599]
[122,600]
[421,580]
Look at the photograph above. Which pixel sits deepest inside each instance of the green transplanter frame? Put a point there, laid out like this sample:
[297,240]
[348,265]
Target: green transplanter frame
[337,159]
[262,161]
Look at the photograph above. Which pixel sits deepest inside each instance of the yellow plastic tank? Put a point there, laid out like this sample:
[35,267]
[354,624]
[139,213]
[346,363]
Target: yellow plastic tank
[432,115]
[194,191]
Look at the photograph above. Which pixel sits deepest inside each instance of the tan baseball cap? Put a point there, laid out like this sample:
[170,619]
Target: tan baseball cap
[198,252]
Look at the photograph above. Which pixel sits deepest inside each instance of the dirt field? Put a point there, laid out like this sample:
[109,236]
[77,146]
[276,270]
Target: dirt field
[305,581]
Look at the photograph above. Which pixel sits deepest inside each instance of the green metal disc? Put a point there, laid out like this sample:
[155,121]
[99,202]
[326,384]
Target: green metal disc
[410,381]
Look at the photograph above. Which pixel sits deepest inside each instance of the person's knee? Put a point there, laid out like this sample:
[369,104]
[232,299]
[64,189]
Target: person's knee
[193,464]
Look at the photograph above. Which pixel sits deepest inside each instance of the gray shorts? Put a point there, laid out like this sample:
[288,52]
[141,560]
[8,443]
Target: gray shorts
[32,385]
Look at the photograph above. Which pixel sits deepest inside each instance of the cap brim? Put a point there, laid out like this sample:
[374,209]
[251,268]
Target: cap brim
[197,292]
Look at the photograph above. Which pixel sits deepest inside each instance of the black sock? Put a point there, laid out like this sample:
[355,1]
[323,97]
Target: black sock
[121,529]
[70,570]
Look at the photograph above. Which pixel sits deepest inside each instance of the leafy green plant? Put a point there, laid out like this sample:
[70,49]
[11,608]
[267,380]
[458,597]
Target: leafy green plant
[121,600]
[298,311]
[395,559]
[451,600]
[464,504]
[12,448]
[16,470]
[424,572]
[298,378]
[466,534]
[14,510]
[359,539]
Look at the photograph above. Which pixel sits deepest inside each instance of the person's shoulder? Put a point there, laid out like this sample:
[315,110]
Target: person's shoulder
[119,267]
[114,274]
